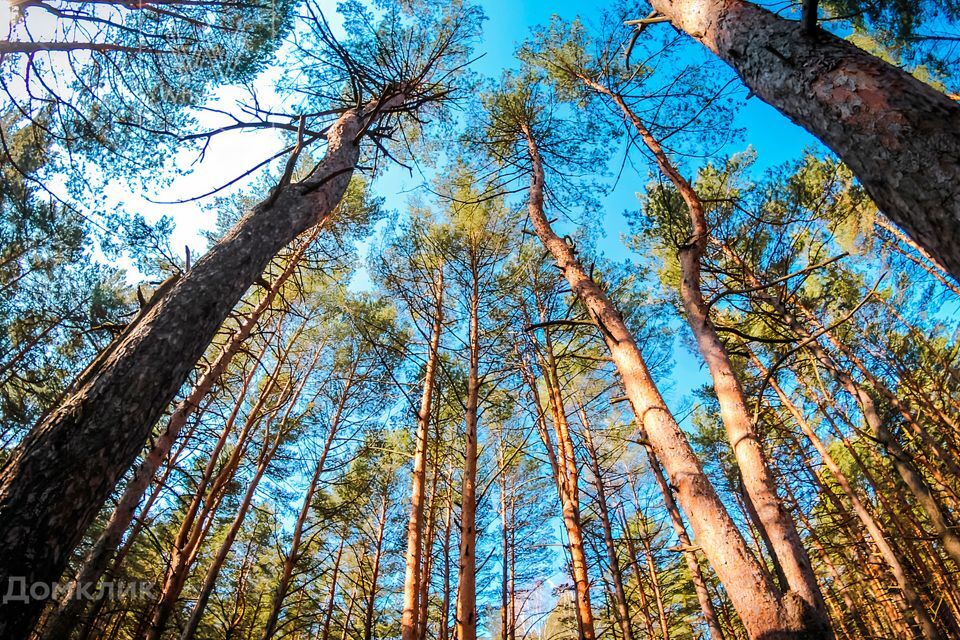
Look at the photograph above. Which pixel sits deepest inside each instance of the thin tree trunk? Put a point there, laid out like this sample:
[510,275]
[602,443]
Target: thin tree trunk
[466,607]
[686,546]
[900,136]
[409,621]
[633,558]
[375,572]
[293,554]
[266,457]
[763,611]
[900,459]
[915,605]
[106,419]
[616,576]
[331,601]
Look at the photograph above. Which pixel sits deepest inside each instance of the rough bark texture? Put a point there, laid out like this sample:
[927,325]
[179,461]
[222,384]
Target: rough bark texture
[900,136]
[409,620]
[57,480]
[777,527]
[763,611]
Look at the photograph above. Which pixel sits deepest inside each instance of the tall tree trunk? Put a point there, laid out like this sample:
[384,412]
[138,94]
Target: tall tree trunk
[96,560]
[409,622]
[777,527]
[106,419]
[764,612]
[901,137]
[332,599]
[293,554]
[466,608]
[266,457]
[613,559]
[368,619]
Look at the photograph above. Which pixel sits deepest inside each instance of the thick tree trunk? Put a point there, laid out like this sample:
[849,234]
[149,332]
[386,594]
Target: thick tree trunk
[96,560]
[900,136]
[613,559]
[409,622]
[763,611]
[105,421]
[466,608]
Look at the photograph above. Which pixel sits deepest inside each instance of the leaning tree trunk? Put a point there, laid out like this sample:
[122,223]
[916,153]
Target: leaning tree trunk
[409,622]
[900,136]
[764,612]
[104,422]
[915,606]
[773,519]
[96,560]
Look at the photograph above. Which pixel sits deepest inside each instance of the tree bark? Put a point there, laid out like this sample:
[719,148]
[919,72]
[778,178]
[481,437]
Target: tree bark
[409,620]
[764,612]
[466,606]
[106,419]
[616,575]
[777,527]
[900,136]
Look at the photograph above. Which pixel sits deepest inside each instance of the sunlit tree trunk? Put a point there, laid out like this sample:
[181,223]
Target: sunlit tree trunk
[616,576]
[409,620]
[764,612]
[900,136]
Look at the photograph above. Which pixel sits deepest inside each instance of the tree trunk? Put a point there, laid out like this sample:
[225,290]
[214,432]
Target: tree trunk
[900,136]
[106,419]
[616,576]
[915,604]
[375,572]
[266,457]
[763,611]
[776,525]
[901,460]
[409,622]
[466,607]
[96,560]
[686,546]
[293,554]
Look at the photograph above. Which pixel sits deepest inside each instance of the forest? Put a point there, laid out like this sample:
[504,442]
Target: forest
[473,319]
